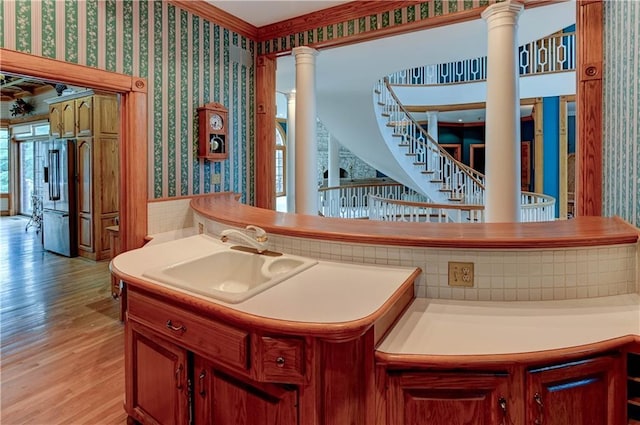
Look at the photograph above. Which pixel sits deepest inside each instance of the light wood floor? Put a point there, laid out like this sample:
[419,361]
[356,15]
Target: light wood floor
[61,341]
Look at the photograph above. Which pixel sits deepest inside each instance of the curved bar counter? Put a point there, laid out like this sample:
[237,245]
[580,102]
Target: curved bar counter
[578,232]
[560,350]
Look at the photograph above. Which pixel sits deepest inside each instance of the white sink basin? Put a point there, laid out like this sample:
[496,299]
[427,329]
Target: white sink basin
[230,275]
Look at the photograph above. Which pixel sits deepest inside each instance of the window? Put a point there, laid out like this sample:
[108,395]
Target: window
[27,176]
[4,160]
[281,158]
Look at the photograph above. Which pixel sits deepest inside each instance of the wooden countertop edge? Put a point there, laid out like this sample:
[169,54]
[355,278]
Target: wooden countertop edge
[579,232]
[337,332]
[484,361]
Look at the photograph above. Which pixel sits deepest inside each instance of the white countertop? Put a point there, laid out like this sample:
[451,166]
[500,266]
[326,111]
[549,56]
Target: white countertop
[328,292]
[446,327]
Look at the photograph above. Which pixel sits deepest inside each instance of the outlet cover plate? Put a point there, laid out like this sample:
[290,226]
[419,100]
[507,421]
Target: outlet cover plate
[460,274]
[216,178]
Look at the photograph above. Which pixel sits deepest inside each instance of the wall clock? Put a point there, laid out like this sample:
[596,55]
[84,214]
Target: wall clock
[212,129]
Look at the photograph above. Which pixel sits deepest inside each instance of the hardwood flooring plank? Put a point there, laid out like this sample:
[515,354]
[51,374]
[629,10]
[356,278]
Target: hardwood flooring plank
[61,341]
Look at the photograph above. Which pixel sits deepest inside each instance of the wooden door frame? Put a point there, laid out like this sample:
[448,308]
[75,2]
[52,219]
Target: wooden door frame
[133,130]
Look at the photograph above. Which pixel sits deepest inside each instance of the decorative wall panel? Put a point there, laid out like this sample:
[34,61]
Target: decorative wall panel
[187,61]
[621,138]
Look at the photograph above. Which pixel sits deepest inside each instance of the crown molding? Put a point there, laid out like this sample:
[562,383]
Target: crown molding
[218,16]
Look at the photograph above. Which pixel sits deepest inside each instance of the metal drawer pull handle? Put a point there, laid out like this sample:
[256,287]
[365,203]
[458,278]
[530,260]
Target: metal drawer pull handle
[538,400]
[180,328]
[280,361]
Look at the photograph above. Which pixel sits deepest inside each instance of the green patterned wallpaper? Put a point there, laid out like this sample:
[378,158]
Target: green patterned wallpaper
[621,104]
[187,62]
[371,23]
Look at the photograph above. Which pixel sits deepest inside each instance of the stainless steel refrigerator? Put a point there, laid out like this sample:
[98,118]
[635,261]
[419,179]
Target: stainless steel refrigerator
[59,217]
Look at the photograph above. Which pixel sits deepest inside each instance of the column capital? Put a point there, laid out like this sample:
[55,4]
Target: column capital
[304,50]
[291,96]
[504,13]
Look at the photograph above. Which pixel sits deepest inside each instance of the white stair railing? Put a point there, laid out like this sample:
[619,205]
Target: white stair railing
[462,183]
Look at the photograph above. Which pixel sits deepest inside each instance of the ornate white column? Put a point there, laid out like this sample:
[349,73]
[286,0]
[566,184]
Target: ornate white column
[502,134]
[333,162]
[333,180]
[432,124]
[306,142]
[291,152]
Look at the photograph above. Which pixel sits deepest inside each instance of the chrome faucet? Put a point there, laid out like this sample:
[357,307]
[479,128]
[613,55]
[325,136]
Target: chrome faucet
[259,242]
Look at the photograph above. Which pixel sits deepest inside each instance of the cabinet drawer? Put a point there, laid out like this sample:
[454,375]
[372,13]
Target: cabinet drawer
[222,343]
[279,359]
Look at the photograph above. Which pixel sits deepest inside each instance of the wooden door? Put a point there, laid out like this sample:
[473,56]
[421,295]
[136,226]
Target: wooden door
[84,161]
[55,120]
[156,378]
[84,116]
[421,398]
[220,398]
[587,392]
[68,128]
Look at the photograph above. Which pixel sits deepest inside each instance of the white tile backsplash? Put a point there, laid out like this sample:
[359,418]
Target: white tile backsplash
[500,275]
[164,216]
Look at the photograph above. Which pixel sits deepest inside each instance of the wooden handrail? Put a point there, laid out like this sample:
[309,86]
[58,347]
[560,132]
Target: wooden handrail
[443,152]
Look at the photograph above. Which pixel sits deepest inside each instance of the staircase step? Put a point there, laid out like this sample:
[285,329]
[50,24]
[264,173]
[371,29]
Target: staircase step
[376,91]
[397,135]
[419,163]
[437,181]
[445,190]
[427,172]
[381,103]
[411,154]
[455,199]
[384,114]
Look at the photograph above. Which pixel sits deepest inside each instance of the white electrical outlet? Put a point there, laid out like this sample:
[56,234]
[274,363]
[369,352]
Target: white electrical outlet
[460,274]
[216,179]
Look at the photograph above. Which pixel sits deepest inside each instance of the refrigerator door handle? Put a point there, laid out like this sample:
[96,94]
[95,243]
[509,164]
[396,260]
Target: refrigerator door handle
[54,176]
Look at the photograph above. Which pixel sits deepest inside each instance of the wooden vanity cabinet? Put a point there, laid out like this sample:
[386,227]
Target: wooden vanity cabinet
[177,354]
[586,392]
[447,398]
[221,398]
[158,387]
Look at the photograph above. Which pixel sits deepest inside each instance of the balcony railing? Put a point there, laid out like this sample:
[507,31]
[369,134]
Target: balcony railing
[534,207]
[352,201]
[556,53]
[395,202]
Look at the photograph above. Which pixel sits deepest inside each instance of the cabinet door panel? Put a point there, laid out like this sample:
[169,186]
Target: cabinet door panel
[446,399]
[84,116]
[55,120]
[159,374]
[585,392]
[223,399]
[84,171]
[68,119]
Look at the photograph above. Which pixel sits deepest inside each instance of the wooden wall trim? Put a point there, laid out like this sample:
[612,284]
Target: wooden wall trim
[213,14]
[589,125]
[265,173]
[133,137]
[332,15]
